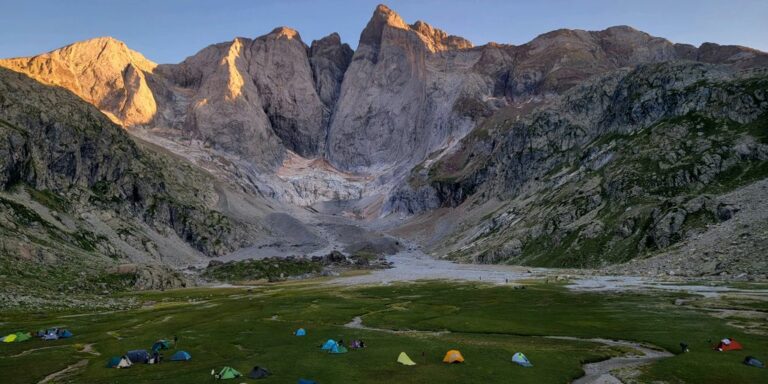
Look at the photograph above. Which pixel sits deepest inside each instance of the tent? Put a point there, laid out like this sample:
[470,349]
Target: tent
[338,348]
[181,356]
[113,362]
[138,356]
[728,344]
[10,338]
[22,336]
[64,334]
[50,336]
[328,345]
[300,332]
[119,362]
[305,381]
[259,373]
[520,359]
[749,360]
[227,373]
[404,359]
[453,356]
[161,345]
[125,362]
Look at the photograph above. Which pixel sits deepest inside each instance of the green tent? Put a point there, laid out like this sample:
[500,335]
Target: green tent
[338,348]
[22,336]
[228,373]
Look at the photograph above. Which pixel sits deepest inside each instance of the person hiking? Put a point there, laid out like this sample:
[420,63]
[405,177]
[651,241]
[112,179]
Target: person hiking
[175,340]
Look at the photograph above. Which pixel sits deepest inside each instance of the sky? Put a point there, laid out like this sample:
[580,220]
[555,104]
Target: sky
[167,31]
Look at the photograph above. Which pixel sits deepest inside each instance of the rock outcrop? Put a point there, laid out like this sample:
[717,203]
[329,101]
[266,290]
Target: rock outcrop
[329,59]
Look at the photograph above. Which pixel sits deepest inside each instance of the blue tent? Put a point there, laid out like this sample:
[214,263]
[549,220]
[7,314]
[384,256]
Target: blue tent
[329,345]
[305,381]
[520,359]
[113,362]
[181,356]
[64,334]
[50,336]
[138,356]
[300,332]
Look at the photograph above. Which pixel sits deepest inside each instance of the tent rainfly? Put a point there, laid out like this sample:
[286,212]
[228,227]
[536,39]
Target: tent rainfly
[404,359]
[453,356]
[181,356]
[521,360]
[227,373]
[328,345]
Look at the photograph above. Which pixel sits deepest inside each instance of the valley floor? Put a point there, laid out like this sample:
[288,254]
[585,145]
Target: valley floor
[561,330]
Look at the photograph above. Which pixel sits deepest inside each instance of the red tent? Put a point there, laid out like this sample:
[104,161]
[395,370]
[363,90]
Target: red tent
[731,345]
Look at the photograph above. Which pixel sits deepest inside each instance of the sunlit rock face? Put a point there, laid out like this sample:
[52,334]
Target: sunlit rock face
[102,71]
[405,98]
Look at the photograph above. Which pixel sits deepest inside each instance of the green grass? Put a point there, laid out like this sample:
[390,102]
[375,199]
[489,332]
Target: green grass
[246,327]
[272,269]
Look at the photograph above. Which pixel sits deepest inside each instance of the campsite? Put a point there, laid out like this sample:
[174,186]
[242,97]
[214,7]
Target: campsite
[256,326]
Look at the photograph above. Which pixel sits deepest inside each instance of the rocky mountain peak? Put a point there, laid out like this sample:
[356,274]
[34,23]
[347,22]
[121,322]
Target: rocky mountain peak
[329,59]
[285,32]
[102,71]
[382,17]
[439,40]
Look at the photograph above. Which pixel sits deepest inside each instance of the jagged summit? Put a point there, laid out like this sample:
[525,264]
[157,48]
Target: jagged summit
[435,39]
[407,91]
[286,32]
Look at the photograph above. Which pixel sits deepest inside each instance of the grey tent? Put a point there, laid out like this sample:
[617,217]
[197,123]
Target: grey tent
[259,373]
[752,361]
[138,356]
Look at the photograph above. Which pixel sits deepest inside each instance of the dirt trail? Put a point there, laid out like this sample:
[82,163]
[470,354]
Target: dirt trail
[357,323]
[66,371]
[33,350]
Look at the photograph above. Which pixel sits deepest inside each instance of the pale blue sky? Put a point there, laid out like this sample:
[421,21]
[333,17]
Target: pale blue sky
[167,31]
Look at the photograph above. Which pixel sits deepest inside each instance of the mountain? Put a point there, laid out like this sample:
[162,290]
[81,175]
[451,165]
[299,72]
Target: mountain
[103,71]
[578,148]
[407,91]
[625,165]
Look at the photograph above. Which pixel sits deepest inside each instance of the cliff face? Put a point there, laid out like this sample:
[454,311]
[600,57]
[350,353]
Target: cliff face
[408,91]
[52,141]
[103,71]
[541,147]
[623,165]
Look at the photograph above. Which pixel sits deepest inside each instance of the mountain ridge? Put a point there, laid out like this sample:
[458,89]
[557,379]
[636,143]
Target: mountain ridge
[418,124]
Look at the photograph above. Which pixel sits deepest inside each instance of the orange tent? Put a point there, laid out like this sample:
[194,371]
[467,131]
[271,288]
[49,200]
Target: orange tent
[453,356]
[732,345]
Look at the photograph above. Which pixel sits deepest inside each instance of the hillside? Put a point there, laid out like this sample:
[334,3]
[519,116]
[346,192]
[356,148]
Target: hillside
[619,167]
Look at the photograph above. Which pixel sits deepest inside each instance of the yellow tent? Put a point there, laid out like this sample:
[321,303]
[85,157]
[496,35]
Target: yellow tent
[404,359]
[10,338]
[453,356]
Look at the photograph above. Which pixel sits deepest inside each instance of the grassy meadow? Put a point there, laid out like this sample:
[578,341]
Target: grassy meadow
[243,327]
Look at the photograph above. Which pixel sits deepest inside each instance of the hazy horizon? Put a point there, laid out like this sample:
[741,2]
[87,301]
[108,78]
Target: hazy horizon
[175,29]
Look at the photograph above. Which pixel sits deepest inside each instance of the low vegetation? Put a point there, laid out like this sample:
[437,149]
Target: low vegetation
[253,326]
